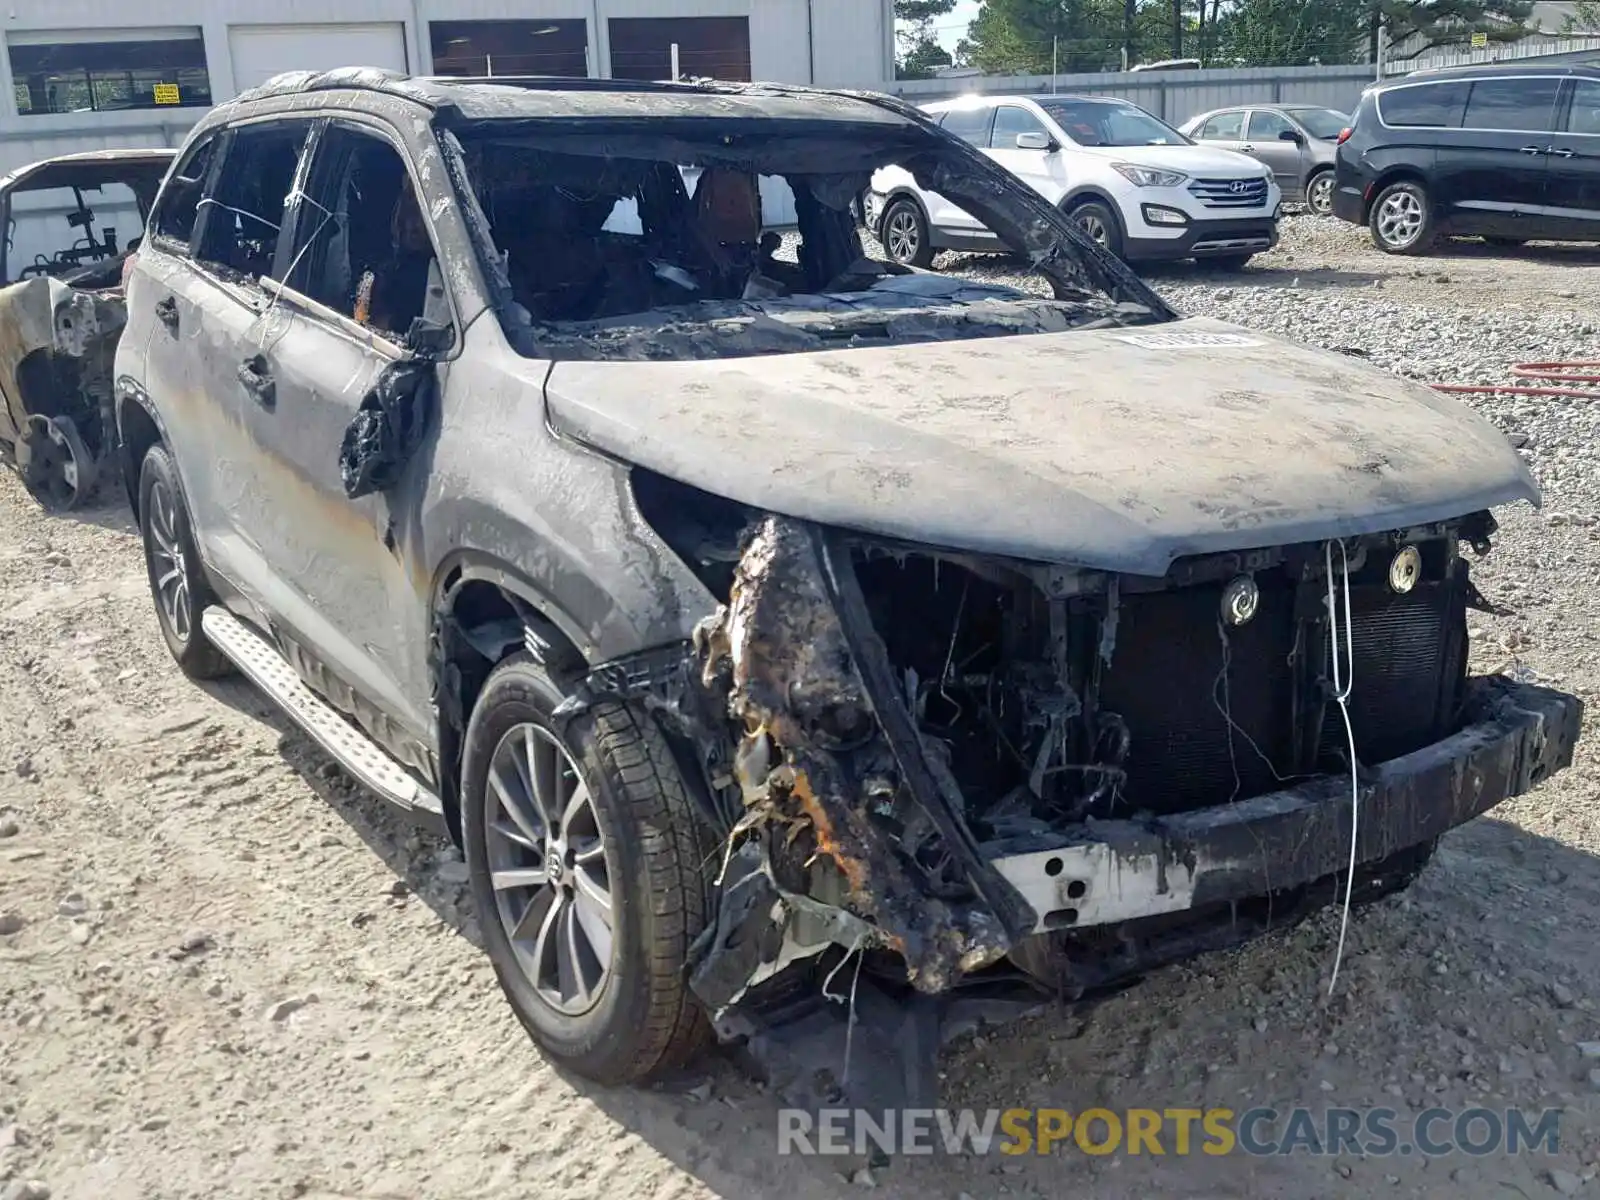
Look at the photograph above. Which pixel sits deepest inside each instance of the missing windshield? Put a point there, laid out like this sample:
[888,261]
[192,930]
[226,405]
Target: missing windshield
[619,245]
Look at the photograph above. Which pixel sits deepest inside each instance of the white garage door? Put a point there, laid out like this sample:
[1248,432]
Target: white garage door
[262,51]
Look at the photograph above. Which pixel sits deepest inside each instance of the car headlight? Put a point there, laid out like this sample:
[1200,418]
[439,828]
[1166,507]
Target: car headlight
[1148,176]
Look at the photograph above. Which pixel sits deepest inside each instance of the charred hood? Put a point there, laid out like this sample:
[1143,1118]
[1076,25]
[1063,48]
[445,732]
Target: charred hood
[1115,449]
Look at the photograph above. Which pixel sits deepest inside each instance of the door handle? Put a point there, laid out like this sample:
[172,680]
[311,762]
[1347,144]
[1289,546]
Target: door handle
[1562,153]
[1534,150]
[1246,148]
[256,376]
[167,313]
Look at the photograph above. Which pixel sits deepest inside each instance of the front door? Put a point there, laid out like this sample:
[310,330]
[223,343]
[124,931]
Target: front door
[1041,167]
[355,274]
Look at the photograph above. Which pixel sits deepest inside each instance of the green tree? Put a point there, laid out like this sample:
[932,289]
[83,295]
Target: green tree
[1413,27]
[1282,33]
[1010,37]
[919,52]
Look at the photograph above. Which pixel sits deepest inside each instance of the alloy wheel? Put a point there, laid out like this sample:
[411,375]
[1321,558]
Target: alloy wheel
[905,239]
[550,868]
[169,570]
[1400,218]
[1095,227]
[1320,196]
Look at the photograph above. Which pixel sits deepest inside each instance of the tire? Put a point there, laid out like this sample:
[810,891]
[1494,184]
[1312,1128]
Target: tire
[1227,262]
[905,235]
[1401,220]
[1504,243]
[169,547]
[636,840]
[1319,193]
[1100,223]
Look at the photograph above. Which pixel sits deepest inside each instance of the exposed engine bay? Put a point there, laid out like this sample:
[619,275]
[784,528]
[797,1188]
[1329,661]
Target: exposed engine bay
[956,777]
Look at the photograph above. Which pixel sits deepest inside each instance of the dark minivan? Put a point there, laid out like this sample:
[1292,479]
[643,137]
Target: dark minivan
[1506,153]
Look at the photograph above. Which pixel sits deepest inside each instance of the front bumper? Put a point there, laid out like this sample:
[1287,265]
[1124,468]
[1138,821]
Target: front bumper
[1207,239]
[1118,871]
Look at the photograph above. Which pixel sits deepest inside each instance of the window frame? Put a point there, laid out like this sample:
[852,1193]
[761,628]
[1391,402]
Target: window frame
[391,345]
[64,40]
[987,110]
[1250,134]
[214,139]
[229,135]
[1568,102]
[1039,125]
[1241,113]
[1552,115]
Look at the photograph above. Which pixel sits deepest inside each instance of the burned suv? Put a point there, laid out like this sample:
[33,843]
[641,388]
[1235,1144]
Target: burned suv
[771,625]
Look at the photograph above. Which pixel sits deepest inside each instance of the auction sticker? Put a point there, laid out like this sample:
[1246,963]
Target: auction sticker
[1186,340]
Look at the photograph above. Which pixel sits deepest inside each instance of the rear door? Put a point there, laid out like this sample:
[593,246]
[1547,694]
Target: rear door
[1494,171]
[1573,199]
[972,125]
[1223,129]
[1264,140]
[216,239]
[1043,170]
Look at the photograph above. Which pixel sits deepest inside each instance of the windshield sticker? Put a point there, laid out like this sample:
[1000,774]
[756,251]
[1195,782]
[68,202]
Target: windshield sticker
[1188,340]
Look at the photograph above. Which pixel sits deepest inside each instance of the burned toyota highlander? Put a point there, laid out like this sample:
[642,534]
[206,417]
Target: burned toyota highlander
[781,631]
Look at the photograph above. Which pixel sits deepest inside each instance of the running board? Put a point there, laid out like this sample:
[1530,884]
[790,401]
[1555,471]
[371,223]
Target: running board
[357,753]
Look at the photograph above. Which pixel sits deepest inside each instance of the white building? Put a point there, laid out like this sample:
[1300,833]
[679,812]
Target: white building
[92,74]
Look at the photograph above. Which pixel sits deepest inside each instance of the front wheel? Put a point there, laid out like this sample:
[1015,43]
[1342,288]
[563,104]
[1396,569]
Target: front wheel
[1319,194]
[588,871]
[1101,224]
[177,582]
[1402,219]
[906,236]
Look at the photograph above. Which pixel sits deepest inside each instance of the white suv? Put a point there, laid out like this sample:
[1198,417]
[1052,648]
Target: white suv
[1139,187]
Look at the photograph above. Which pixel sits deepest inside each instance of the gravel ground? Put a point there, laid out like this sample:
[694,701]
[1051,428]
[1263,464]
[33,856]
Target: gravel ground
[224,971]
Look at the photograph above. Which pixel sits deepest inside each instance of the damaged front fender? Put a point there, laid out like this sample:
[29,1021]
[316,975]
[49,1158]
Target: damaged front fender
[829,763]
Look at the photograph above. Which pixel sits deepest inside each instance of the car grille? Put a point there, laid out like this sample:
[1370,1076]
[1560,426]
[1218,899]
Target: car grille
[1166,682]
[1229,193]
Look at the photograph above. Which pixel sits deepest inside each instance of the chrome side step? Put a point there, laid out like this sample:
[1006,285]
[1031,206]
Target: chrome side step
[357,753]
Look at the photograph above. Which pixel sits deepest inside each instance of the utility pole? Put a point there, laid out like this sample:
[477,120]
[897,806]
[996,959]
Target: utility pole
[1055,61]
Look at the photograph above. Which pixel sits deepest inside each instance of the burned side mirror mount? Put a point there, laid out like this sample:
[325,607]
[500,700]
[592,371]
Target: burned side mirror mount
[433,333]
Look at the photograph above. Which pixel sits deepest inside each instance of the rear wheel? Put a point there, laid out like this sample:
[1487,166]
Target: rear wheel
[177,582]
[1319,193]
[1100,223]
[905,234]
[587,867]
[1402,219]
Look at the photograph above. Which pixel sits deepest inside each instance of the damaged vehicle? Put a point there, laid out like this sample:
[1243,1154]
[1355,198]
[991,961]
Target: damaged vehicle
[794,641]
[61,310]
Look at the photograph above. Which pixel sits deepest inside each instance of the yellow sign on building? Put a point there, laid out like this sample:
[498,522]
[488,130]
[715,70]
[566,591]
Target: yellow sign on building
[1479,40]
[167,93]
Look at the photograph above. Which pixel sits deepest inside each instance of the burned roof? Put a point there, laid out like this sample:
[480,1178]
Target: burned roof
[89,169]
[568,99]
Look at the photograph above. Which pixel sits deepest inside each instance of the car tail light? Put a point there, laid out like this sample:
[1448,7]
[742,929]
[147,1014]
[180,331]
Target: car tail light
[1344,136]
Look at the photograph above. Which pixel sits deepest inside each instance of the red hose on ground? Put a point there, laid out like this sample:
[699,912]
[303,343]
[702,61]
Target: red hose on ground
[1563,372]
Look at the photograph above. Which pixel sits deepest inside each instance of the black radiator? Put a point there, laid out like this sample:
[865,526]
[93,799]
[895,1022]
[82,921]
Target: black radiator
[1165,681]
